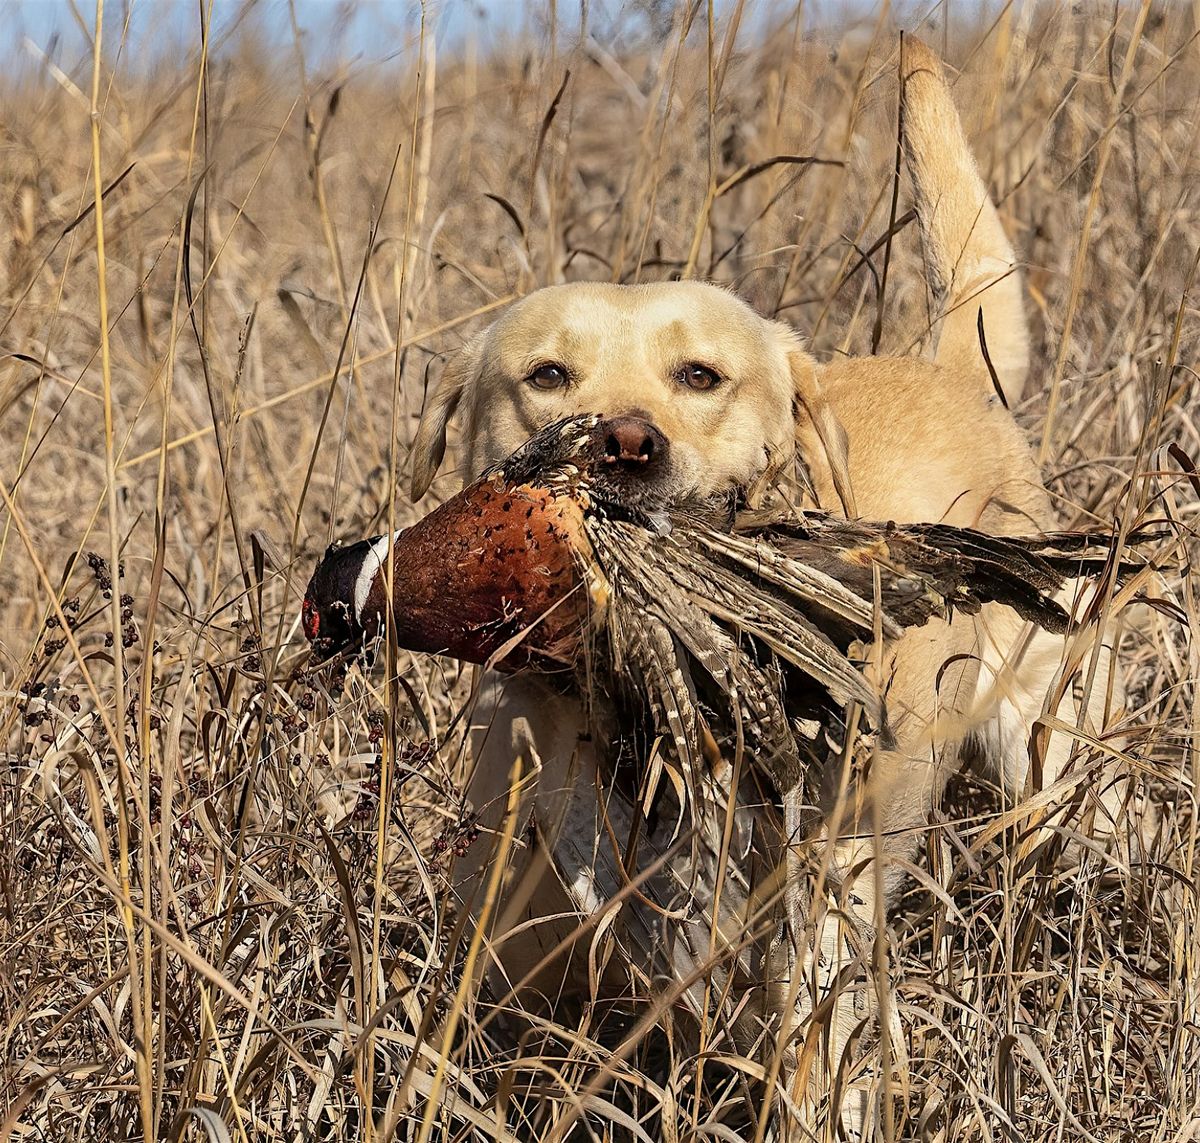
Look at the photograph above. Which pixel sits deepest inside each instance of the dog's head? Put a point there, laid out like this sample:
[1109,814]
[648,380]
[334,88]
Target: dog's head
[700,392]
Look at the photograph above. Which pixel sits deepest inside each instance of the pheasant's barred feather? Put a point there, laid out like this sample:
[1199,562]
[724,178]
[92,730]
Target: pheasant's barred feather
[672,594]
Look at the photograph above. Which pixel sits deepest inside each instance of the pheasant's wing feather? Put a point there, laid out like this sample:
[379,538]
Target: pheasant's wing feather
[703,603]
[804,581]
[931,569]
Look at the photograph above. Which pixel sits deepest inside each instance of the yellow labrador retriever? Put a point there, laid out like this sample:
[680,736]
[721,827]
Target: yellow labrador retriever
[707,395]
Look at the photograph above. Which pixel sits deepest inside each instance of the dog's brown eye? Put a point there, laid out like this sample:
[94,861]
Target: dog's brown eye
[548,376]
[699,377]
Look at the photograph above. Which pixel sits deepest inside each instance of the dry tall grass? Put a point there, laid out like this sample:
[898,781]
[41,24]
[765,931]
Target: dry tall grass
[228,905]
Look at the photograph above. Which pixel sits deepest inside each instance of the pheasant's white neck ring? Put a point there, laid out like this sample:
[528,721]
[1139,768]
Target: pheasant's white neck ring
[372,562]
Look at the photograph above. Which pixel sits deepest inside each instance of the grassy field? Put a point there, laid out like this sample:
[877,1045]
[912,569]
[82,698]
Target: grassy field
[228,905]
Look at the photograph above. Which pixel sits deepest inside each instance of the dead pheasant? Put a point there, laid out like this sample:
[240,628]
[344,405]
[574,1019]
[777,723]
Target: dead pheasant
[559,560]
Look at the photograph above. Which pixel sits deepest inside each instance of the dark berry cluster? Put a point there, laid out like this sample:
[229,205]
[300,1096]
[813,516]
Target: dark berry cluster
[454,842]
[288,721]
[37,714]
[101,572]
[250,647]
[70,609]
[417,755]
[336,679]
[131,710]
[129,633]
[368,802]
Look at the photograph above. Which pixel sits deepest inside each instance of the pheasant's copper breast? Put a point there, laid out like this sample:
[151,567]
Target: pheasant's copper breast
[494,561]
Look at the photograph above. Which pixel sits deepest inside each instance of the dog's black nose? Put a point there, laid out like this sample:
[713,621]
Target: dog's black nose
[633,445]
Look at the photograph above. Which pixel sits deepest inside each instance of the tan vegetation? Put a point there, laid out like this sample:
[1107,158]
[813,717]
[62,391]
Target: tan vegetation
[228,901]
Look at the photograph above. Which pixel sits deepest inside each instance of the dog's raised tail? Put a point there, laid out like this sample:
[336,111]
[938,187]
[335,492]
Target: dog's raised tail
[969,258]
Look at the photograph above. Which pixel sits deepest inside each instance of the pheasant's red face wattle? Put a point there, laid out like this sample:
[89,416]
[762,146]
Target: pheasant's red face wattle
[310,617]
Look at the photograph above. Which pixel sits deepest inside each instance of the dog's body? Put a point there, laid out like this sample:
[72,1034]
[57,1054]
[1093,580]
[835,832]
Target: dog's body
[728,399]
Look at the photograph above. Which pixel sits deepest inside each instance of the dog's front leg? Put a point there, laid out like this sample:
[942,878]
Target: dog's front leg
[518,717]
[821,964]
[844,866]
[553,938]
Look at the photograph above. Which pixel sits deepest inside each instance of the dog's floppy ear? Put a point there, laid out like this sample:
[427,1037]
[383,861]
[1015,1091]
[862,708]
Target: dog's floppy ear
[834,442]
[430,444]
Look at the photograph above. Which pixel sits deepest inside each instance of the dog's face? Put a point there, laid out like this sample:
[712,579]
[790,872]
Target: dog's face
[700,390]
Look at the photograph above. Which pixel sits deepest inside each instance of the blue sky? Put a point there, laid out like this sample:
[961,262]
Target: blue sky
[369,29]
[365,31]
